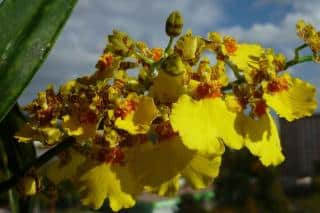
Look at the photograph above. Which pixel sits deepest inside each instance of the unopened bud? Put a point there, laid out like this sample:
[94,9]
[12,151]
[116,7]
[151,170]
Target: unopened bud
[174,24]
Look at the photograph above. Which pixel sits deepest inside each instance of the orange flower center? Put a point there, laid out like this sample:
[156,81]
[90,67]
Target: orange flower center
[156,54]
[278,85]
[105,61]
[209,90]
[106,155]
[260,108]
[128,107]
[88,117]
[230,44]
[165,131]
[115,155]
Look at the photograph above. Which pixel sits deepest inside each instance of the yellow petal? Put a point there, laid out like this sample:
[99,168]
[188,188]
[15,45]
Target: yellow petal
[51,135]
[219,73]
[146,111]
[100,182]
[71,126]
[202,170]
[57,171]
[81,131]
[233,103]
[139,121]
[68,87]
[47,134]
[168,188]
[204,124]
[154,164]
[242,57]
[261,138]
[296,102]
[26,134]
[27,186]
[189,46]
[167,88]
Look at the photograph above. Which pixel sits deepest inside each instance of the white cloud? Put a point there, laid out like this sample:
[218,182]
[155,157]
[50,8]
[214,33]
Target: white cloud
[283,32]
[282,35]
[83,37]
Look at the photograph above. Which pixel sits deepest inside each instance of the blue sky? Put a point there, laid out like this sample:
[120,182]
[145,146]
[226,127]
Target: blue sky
[269,22]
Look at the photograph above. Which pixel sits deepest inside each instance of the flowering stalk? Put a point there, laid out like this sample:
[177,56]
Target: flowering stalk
[175,118]
[169,45]
[298,60]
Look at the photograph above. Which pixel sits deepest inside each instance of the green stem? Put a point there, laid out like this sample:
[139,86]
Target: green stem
[235,70]
[299,60]
[145,59]
[169,44]
[155,64]
[297,50]
[13,201]
[37,163]
[230,85]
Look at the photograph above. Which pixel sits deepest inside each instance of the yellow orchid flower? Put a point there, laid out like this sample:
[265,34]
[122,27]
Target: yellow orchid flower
[81,125]
[67,167]
[101,182]
[145,165]
[261,138]
[168,188]
[290,97]
[48,135]
[244,55]
[27,134]
[148,117]
[95,181]
[218,73]
[201,170]
[189,47]
[139,120]
[149,164]
[204,124]
[171,92]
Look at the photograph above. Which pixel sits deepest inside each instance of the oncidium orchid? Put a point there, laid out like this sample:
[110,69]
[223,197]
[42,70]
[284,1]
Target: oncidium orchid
[150,116]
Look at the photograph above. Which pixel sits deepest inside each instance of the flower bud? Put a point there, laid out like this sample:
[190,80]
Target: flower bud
[174,24]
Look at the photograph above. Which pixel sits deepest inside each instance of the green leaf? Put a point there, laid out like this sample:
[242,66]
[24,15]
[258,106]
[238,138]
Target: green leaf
[19,154]
[28,29]
[15,156]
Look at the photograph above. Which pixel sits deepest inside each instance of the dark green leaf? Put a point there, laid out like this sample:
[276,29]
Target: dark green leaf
[15,156]
[28,29]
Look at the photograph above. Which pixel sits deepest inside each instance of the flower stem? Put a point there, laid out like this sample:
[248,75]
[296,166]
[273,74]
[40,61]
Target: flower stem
[231,84]
[169,44]
[145,59]
[235,70]
[37,163]
[298,60]
[297,50]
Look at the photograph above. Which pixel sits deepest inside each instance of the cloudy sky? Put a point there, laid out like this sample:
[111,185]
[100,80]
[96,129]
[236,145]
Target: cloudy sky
[269,22]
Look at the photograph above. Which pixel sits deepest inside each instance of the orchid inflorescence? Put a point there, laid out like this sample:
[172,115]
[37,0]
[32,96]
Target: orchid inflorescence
[150,116]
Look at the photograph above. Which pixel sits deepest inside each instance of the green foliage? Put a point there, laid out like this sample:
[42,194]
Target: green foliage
[28,29]
[27,33]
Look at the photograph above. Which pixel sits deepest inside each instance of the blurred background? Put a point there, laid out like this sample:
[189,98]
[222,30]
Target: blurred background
[243,185]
